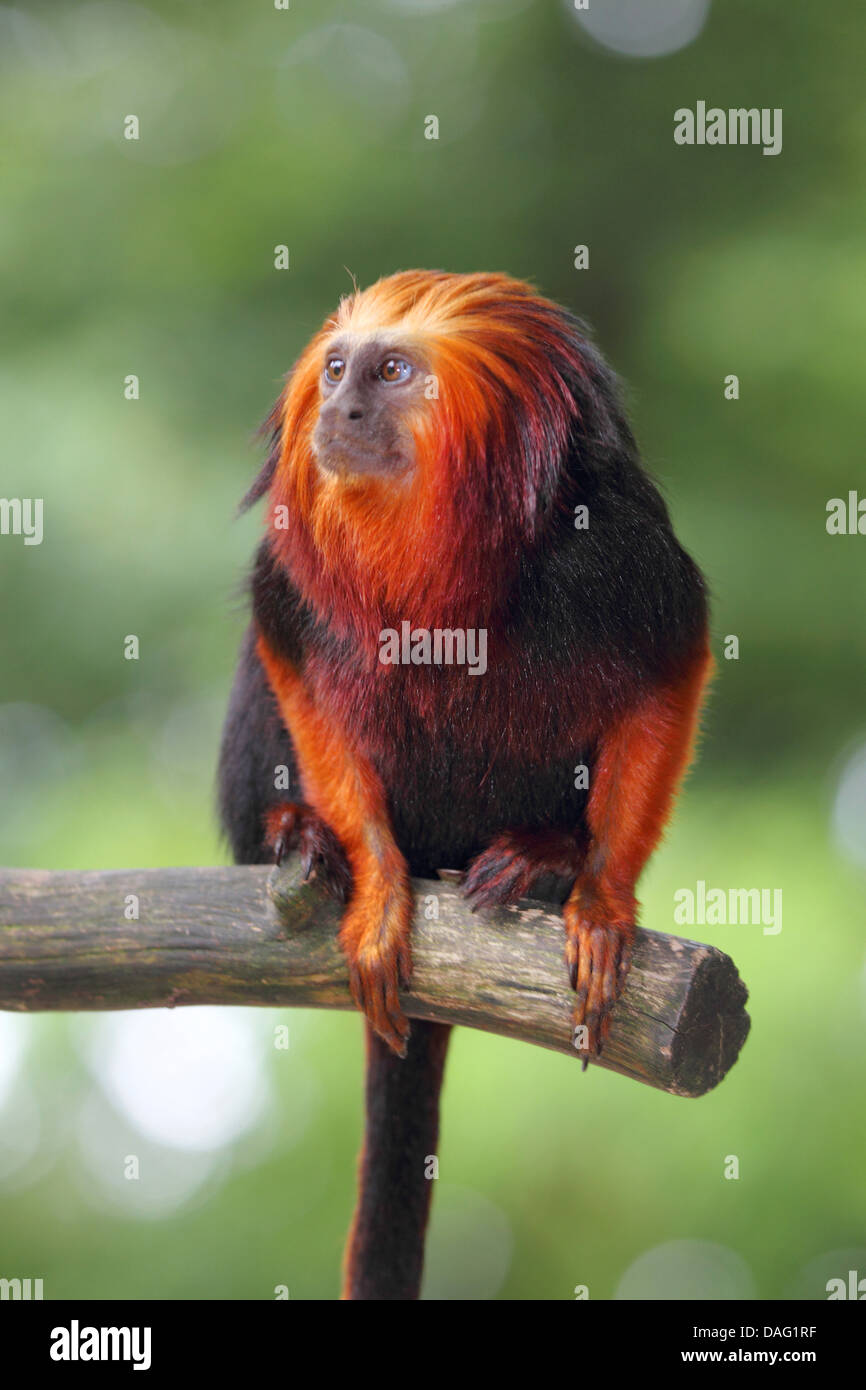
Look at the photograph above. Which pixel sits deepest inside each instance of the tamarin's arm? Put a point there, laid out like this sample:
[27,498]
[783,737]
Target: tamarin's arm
[636,606]
[639,763]
[343,788]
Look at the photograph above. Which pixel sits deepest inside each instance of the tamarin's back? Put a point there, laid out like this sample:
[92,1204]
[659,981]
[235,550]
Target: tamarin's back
[450,464]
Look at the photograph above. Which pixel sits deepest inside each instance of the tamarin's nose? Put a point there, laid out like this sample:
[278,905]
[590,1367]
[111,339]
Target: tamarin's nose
[350,408]
[338,413]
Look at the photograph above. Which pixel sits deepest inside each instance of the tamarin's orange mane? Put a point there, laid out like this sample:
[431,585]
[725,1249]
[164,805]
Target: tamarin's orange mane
[490,437]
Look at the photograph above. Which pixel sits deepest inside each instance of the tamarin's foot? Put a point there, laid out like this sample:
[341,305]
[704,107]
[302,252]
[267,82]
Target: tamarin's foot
[294,825]
[508,868]
[599,929]
[375,937]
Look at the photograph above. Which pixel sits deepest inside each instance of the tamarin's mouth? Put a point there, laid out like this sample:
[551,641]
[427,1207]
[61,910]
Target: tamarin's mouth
[334,453]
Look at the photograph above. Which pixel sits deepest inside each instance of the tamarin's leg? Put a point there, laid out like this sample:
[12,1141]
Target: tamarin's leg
[343,788]
[638,766]
[385,1250]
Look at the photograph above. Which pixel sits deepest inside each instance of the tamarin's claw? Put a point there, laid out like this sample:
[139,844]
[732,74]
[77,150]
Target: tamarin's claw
[598,950]
[294,825]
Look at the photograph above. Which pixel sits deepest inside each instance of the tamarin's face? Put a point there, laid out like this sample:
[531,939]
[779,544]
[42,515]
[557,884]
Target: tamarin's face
[419,445]
[371,390]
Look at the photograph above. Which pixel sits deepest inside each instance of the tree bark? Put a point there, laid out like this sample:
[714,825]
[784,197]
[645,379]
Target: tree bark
[251,935]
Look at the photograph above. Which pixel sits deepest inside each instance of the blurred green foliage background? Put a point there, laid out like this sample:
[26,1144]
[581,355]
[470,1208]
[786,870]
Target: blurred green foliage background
[305,126]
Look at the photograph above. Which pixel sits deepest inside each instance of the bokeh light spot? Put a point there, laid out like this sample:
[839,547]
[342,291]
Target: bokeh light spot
[191,1079]
[684,1269]
[643,28]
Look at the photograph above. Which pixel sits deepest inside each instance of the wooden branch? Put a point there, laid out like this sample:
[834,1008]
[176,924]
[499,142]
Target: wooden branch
[259,936]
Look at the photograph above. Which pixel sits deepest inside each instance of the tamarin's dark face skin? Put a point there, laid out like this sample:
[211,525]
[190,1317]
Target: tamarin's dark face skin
[369,391]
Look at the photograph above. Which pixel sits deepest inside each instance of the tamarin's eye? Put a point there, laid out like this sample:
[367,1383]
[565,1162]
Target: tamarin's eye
[394,369]
[335,369]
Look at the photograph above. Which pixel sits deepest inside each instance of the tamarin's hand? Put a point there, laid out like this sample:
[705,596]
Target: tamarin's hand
[375,929]
[375,937]
[355,843]
[599,937]
[377,968]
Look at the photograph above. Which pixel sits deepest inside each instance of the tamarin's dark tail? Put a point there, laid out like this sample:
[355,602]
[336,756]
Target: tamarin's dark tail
[385,1251]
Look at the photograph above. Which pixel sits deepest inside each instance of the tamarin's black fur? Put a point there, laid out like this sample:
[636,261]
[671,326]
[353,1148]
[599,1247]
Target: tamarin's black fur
[450,450]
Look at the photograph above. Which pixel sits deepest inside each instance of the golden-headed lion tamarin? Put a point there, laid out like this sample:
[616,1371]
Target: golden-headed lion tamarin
[450,453]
